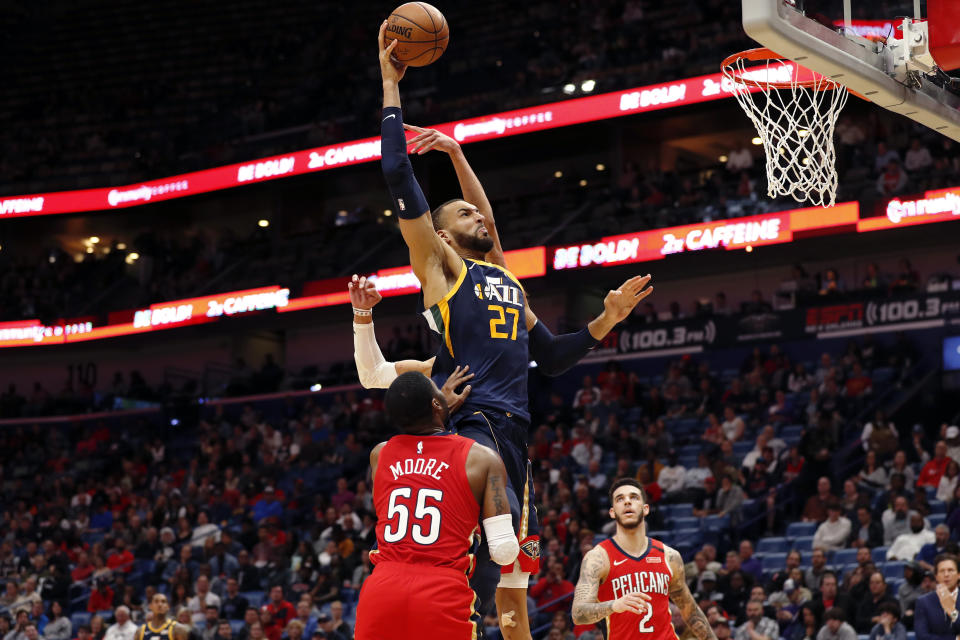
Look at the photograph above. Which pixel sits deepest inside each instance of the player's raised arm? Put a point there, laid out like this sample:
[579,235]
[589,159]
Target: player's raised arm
[557,354]
[586,608]
[488,480]
[470,187]
[680,595]
[374,371]
[432,260]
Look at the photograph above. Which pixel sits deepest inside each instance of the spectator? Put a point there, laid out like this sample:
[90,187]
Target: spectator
[907,278]
[868,609]
[910,590]
[267,506]
[818,567]
[587,396]
[224,630]
[233,605]
[204,529]
[198,604]
[932,471]
[749,564]
[880,444]
[832,534]
[124,628]
[889,626]
[211,622]
[873,476]
[868,533]
[906,546]
[896,520]
[934,616]
[740,160]
[59,626]
[19,630]
[757,626]
[901,466]
[101,598]
[830,284]
[948,482]
[552,586]
[892,181]
[337,622]
[294,630]
[829,596]
[815,509]
[121,559]
[918,158]
[98,629]
[325,626]
[280,610]
[929,551]
[732,425]
[885,156]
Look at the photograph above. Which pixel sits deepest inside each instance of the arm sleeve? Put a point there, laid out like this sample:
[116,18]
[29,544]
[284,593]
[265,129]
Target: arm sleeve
[396,166]
[558,354]
[374,371]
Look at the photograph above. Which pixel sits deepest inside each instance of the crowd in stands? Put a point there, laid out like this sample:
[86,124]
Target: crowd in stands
[262,513]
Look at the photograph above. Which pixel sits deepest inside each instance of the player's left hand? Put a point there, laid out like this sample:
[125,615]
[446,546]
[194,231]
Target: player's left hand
[618,304]
[427,139]
[363,293]
[458,377]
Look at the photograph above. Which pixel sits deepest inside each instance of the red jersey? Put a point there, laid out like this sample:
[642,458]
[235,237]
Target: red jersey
[649,574]
[426,512]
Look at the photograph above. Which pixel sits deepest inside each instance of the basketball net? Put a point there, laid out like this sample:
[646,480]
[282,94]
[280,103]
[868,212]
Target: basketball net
[795,112]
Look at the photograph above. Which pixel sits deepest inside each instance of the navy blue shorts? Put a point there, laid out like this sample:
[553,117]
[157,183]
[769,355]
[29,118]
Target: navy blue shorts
[507,435]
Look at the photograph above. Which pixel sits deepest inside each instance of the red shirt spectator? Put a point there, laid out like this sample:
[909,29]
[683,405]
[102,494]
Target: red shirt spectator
[932,471]
[101,598]
[281,611]
[83,570]
[121,559]
[858,382]
[552,586]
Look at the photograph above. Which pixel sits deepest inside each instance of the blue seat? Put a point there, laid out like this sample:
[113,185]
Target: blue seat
[254,598]
[938,506]
[893,570]
[688,536]
[803,544]
[683,510]
[791,431]
[911,635]
[844,556]
[716,523]
[685,523]
[773,545]
[879,554]
[800,529]
[80,619]
[937,519]
[237,626]
[774,562]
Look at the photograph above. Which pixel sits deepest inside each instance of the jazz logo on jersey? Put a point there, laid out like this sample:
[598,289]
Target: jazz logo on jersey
[645,581]
[420,448]
[497,291]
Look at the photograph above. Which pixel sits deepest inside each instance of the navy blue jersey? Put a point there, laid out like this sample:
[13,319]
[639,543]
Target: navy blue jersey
[482,323]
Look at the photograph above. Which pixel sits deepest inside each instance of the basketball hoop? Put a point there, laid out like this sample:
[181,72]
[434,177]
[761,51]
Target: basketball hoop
[795,112]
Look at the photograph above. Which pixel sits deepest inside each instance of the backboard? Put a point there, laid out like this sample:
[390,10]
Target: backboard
[858,43]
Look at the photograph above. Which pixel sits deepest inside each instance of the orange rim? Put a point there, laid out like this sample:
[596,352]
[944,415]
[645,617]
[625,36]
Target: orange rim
[761,54]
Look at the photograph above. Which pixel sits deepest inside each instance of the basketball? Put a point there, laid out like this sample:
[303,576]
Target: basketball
[421,32]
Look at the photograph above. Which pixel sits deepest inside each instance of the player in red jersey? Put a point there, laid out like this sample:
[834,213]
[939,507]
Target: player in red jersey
[429,487]
[627,582]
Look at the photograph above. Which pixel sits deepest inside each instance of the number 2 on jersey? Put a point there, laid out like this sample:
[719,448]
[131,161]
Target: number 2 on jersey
[501,321]
[421,512]
[644,627]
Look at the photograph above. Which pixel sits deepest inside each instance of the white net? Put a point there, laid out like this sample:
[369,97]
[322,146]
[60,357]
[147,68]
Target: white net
[794,111]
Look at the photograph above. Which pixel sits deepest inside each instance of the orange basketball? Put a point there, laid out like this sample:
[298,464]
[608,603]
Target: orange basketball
[421,32]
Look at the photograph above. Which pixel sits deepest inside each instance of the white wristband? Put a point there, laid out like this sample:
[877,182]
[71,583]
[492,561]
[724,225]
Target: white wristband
[362,312]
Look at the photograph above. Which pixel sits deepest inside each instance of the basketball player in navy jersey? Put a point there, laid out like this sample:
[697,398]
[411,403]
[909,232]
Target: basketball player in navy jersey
[481,313]
[160,627]
[627,582]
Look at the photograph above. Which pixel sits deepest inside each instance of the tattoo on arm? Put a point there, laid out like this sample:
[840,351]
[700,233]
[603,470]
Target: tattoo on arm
[586,609]
[680,594]
[495,487]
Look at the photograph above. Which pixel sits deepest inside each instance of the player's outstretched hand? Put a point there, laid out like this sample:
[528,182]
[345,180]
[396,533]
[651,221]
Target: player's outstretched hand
[363,293]
[390,69]
[427,139]
[618,304]
[635,602]
[458,377]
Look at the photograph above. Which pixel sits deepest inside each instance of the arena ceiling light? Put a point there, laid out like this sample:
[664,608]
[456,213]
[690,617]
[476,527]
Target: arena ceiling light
[94,239]
[122,246]
[756,141]
[569,88]
[601,167]
[558,174]
[387,212]
[588,85]
[263,222]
